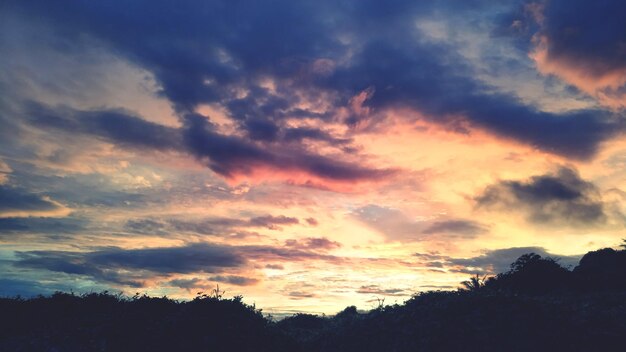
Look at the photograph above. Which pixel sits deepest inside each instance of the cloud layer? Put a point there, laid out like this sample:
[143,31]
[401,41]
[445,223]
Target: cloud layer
[561,198]
[314,54]
[583,43]
[289,148]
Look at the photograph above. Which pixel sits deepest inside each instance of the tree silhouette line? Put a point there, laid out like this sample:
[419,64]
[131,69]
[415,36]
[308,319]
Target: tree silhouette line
[600,270]
[537,305]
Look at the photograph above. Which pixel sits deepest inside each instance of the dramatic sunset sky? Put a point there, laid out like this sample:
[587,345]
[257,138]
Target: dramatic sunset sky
[307,155]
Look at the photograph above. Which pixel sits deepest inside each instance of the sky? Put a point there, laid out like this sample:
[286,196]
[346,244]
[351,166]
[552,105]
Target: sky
[308,155]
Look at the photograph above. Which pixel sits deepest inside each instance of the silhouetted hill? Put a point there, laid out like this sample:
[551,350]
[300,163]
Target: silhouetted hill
[537,305]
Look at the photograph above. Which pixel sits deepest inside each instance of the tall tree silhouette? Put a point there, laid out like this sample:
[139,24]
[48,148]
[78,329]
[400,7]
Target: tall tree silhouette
[531,273]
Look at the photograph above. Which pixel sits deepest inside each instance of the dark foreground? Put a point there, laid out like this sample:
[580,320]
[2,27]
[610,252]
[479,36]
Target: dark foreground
[536,306]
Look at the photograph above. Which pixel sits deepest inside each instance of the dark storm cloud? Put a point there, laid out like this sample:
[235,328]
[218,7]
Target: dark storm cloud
[579,42]
[230,155]
[559,198]
[234,280]
[225,154]
[209,52]
[587,34]
[449,97]
[16,200]
[465,227]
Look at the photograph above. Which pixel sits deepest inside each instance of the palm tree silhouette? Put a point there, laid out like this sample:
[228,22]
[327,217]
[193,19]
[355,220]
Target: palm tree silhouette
[474,283]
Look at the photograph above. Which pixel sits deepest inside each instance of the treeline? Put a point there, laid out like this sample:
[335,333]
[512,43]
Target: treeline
[600,270]
[537,305]
[106,322]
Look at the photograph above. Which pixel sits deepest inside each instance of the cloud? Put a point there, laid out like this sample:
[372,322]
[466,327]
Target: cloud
[131,267]
[393,223]
[83,190]
[234,280]
[147,226]
[230,156]
[16,202]
[115,125]
[73,264]
[272,93]
[285,254]
[446,95]
[273,222]
[321,243]
[270,67]
[378,291]
[187,284]
[207,226]
[44,225]
[300,295]
[398,226]
[583,43]
[197,283]
[191,258]
[312,221]
[463,227]
[300,133]
[227,155]
[5,171]
[124,266]
[560,198]
[26,288]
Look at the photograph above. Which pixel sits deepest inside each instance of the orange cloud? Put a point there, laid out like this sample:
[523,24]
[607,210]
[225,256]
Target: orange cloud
[604,85]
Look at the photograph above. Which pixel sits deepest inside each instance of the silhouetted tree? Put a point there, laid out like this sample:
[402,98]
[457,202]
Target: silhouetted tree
[601,270]
[531,273]
[474,283]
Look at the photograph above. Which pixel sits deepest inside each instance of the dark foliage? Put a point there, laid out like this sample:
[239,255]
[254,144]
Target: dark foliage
[604,269]
[531,273]
[535,306]
[480,321]
[104,322]
[597,271]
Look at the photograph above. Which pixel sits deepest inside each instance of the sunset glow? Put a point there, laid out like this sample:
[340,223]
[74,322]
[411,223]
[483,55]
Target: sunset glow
[306,155]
